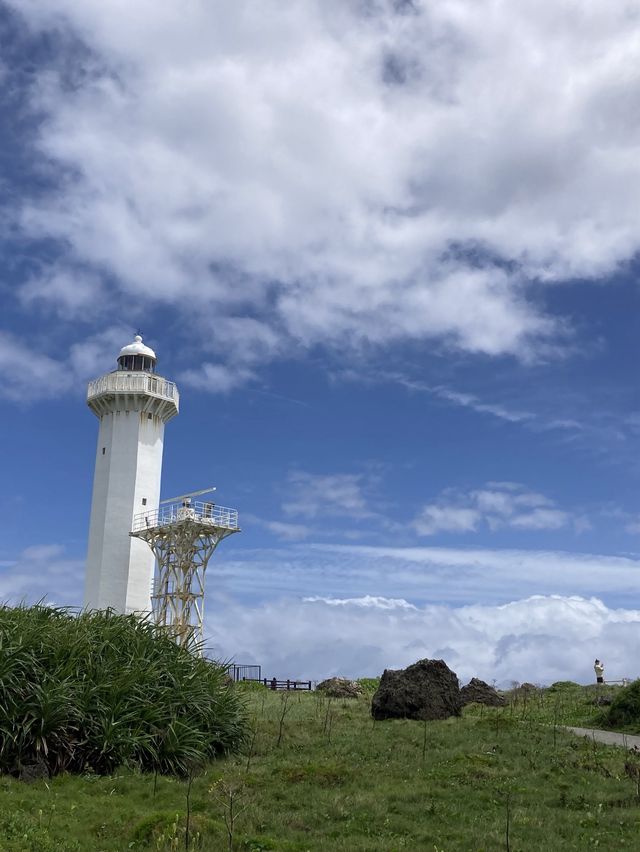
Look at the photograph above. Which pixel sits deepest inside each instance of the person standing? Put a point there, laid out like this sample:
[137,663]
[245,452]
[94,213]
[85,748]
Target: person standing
[598,668]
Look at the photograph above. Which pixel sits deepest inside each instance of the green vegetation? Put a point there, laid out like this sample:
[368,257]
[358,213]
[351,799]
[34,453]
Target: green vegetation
[100,691]
[369,684]
[624,711]
[319,774]
[562,703]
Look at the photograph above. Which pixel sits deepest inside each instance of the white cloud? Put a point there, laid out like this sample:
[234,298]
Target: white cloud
[538,639]
[312,495]
[217,378]
[72,293]
[498,505]
[433,519]
[287,532]
[97,353]
[374,601]
[28,374]
[341,176]
[463,399]
[446,575]
[468,400]
[42,572]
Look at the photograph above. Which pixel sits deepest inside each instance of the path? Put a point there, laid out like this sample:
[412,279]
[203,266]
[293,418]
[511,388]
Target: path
[606,737]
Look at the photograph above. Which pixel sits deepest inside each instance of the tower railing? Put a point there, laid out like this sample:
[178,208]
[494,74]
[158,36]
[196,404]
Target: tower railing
[124,382]
[208,514]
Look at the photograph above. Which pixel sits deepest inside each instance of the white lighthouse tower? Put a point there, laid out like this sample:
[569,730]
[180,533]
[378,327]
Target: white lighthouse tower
[133,404]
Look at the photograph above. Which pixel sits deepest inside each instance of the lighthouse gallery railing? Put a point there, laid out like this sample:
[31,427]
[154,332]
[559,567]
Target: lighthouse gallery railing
[123,382]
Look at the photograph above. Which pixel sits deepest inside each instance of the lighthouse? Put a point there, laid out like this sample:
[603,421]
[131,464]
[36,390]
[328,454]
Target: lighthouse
[133,404]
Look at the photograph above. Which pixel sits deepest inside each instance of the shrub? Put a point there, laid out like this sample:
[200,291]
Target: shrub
[99,690]
[563,686]
[625,707]
[369,684]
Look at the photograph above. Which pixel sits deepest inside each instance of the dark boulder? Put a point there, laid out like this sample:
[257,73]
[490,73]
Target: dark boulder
[426,690]
[33,771]
[340,687]
[479,692]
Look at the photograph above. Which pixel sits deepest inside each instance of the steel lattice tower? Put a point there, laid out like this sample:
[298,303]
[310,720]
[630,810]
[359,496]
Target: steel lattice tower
[183,536]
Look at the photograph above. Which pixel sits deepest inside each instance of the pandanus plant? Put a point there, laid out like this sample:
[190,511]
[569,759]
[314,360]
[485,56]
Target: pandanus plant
[95,691]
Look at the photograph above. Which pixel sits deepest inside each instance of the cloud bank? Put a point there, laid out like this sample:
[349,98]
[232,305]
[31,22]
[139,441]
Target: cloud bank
[329,172]
[538,639]
[319,611]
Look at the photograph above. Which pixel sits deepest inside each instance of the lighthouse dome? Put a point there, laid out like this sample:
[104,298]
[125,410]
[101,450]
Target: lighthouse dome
[137,357]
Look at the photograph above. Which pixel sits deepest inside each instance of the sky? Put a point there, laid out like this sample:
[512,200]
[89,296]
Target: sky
[388,250]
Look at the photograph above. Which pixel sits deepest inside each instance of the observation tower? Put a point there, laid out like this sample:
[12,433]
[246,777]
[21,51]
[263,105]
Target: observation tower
[133,404]
[182,534]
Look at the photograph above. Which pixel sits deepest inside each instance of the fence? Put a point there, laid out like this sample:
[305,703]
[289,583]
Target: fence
[242,672]
[202,514]
[295,685]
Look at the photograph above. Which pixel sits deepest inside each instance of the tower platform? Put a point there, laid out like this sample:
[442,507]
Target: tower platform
[183,536]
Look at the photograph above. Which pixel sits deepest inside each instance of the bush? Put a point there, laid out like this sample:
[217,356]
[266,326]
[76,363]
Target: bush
[99,690]
[625,707]
[369,684]
[563,686]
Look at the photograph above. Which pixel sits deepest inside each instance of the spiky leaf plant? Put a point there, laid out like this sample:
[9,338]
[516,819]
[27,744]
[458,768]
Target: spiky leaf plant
[98,690]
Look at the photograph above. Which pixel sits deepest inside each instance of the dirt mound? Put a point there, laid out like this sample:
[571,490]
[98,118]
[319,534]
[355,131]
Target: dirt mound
[426,690]
[340,687]
[479,692]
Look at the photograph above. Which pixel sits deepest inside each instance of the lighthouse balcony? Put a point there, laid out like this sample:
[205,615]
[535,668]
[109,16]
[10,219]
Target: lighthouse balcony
[133,391]
[202,515]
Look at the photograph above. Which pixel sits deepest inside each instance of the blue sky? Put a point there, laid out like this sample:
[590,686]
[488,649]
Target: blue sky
[388,253]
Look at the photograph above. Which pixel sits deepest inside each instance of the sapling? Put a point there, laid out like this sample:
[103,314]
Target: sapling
[424,739]
[252,742]
[329,727]
[285,706]
[187,830]
[508,821]
[230,795]
[326,717]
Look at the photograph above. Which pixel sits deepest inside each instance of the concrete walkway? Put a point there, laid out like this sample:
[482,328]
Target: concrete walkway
[607,737]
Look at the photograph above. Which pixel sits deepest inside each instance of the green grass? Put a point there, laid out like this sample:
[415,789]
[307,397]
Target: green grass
[339,781]
[563,703]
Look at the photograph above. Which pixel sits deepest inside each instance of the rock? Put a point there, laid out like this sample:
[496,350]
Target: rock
[340,687]
[479,692]
[33,771]
[426,690]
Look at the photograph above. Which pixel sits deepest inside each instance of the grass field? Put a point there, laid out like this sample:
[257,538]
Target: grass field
[318,774]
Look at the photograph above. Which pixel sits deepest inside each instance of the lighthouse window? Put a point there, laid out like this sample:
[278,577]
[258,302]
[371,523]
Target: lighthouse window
[149,416]
[144,501]
[104,449]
